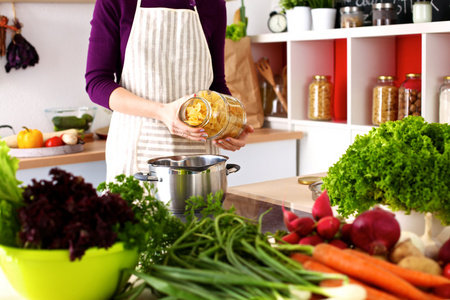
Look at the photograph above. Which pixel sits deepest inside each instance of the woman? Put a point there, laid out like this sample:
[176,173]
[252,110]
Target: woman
[145,57]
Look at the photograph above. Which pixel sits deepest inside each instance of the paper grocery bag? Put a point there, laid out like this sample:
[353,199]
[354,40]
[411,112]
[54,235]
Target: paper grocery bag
[242,79]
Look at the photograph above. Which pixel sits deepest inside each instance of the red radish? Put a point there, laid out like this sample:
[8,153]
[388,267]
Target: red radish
[322,206]
[446,271]
[442,291]
[346,231]
[444,253]
[375,231]
[303,226]
[327,227]
[291,238]
[338,243]
[311,240]
[288,217]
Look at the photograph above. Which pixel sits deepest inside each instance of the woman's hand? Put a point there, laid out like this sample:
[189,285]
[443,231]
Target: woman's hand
[170,118]
[231,144]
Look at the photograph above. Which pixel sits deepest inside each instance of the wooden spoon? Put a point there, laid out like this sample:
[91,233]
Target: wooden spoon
[266,71]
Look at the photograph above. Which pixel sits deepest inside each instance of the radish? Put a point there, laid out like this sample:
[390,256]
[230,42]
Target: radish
[338,243]
[291,238]
[327,227]
[444,253]
[322,206]
[303,226]
[346,231]
[375,231]
[311,240]
[288,217]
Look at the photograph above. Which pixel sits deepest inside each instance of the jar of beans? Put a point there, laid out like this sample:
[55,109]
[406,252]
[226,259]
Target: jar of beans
[384,100]
[409,96]
[320,98]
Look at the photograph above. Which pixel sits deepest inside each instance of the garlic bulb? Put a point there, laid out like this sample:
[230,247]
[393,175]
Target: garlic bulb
[431,244]
[415,240]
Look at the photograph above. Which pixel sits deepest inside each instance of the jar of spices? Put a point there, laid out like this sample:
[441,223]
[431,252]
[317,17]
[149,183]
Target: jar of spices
[384,100]
[383,14]
[409,96]
[351,16]
[219,114]
[422,11]
[444,101]
[320,98]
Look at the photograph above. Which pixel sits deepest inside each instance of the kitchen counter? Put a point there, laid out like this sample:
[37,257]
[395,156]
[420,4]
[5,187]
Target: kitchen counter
[95,150]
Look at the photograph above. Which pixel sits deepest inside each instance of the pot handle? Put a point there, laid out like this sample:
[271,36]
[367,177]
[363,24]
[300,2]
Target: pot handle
[145,177]
[232,168]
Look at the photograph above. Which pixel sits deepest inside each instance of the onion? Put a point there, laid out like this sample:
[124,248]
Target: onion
[444,254]
[375,231]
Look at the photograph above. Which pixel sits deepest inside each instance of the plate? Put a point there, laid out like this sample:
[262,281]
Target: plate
[46,151]
[102,132]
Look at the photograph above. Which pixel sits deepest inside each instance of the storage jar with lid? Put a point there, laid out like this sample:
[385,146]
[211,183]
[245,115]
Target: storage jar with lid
[444,101]
[422,11]
[219,114]
[383,14]
[409,96]
[320,98]
[384,100]
[351,16]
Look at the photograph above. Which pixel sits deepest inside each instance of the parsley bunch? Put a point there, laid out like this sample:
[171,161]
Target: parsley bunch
[403,164]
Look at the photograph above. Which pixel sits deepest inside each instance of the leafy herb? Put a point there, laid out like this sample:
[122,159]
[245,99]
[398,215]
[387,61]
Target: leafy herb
[321,3]
[10,197]
[235,31]
[403,164]
[67,213]
[290,4]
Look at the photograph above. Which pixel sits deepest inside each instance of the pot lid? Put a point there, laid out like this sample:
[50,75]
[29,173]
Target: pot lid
[188,162]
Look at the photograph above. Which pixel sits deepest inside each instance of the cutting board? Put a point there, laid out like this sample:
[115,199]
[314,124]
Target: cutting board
[46,151]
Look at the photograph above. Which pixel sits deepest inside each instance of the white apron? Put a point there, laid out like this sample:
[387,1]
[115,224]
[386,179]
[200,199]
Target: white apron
[166,58]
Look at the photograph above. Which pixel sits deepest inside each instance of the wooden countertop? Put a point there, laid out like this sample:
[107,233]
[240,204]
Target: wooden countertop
[294,195]
[95,150]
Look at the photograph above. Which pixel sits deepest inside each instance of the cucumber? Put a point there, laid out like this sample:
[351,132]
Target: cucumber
[69,122]
[88,118]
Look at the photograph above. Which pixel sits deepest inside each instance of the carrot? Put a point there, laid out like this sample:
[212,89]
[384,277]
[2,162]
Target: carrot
[372,293]
[366,271]
[414,277]
[300,257]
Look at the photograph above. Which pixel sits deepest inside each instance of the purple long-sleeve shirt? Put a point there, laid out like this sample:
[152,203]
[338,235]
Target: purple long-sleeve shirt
[111,26]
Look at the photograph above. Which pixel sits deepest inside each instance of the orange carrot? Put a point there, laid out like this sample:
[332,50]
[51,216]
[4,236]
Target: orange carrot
[366,271]
[300,257]
[414,277]
[372,293]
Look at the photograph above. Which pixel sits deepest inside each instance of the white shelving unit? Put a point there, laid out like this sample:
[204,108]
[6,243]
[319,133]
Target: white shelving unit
[370,52]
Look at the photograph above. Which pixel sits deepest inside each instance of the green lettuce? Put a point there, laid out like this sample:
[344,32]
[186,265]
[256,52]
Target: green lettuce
[10,197]
[403,164]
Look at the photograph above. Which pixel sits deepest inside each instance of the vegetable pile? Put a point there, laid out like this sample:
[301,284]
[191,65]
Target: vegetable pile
[402,164]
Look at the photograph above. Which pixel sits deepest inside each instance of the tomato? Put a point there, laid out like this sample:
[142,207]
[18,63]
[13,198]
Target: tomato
[446,272]
[54,142]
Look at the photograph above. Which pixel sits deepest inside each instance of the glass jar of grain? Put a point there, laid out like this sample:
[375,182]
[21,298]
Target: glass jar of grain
[444,101]
[384,100]
[410,96]
[320,98]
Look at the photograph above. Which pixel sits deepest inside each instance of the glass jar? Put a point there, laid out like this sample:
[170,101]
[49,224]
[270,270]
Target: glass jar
[384,100]
[422,11]
[409,96]
[383,14]
[219,114]
[351,16]
[320,98]
[444,101]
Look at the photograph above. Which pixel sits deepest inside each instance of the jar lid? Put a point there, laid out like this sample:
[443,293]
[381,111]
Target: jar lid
[383,6]
[386,77]
[321,77]
[446,77]
[350,9]
[413,75]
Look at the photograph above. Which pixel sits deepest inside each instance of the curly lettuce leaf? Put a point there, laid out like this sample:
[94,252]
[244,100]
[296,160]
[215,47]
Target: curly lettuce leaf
[402,164]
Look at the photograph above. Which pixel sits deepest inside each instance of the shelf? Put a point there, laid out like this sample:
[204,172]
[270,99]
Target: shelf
[357,32]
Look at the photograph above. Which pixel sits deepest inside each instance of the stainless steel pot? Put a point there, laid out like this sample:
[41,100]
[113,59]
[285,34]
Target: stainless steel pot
[177,178]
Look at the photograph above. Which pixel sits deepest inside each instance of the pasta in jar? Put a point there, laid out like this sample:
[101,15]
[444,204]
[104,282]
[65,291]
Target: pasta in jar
[220,115]
[320,98]
[385,101]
